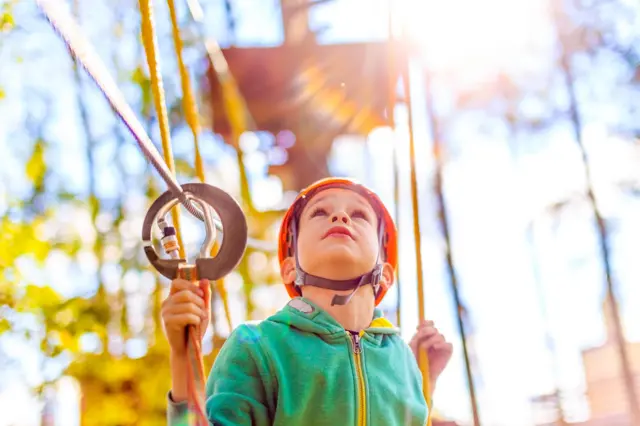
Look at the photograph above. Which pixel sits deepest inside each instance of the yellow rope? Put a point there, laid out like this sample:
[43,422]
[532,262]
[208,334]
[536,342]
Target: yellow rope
[191,116]
[423,359]
[151,50]
[188,99]
[237,114]
[391,119]
[222,291]
[236,110]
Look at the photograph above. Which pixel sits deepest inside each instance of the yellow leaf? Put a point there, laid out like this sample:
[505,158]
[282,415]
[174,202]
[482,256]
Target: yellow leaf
[5,325]
[36,165]
[6,22]
[67,341]
[40,297]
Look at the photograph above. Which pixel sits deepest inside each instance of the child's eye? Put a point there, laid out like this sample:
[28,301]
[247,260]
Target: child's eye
[318,211]
[359,214]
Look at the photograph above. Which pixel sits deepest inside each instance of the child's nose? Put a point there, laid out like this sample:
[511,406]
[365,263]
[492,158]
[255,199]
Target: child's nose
[341,216]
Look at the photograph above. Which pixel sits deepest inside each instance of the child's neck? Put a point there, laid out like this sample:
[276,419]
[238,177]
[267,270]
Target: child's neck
[355,315]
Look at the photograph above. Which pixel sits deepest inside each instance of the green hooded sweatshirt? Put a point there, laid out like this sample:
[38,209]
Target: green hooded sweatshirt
[300,367]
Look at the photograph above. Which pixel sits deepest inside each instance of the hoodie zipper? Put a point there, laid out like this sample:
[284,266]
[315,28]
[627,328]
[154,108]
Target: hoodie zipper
[362,402]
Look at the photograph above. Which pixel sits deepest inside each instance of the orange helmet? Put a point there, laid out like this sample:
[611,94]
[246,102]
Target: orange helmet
[389,241]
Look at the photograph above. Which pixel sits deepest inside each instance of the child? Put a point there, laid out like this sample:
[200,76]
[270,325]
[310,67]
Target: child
[328,357]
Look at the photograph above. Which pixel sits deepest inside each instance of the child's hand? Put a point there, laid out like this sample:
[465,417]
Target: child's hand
[439,351]
[187,304]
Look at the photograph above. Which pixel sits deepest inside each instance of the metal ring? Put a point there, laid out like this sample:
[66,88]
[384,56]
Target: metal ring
[234,240]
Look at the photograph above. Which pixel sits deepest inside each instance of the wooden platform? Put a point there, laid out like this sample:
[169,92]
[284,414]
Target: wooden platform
[327,89]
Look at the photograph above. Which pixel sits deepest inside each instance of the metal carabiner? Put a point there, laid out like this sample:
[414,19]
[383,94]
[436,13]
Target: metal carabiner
[233,244]
[171,243]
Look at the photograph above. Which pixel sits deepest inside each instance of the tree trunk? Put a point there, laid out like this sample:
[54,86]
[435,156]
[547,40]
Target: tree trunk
[444,226]
[601,228]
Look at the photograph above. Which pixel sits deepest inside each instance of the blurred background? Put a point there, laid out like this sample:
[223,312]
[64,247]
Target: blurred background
[522,119]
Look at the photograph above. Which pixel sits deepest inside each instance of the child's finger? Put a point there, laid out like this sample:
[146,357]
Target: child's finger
[441,346]
[424,324]
[185,308]
[179,284]
[426,332]
[183,319]
[188,296]
[431,341]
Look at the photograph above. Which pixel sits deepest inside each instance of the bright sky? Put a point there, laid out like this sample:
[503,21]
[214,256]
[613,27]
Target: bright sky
[492,198]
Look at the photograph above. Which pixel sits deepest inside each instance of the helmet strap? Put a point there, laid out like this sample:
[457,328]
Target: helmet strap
[373,277]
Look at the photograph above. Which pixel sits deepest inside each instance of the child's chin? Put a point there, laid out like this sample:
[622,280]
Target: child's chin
[338,253]
[342,263]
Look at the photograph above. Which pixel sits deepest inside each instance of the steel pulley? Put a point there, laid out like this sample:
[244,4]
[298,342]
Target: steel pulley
[234,240]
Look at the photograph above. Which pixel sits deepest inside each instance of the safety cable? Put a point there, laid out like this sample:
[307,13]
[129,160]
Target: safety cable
[67,27]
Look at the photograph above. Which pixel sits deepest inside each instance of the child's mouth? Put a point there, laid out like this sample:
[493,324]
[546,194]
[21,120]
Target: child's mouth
[338,232]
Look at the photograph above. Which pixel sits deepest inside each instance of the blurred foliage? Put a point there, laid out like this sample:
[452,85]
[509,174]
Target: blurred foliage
[86,335]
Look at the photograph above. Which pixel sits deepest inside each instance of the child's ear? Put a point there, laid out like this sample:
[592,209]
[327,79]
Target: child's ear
[288,270]
[388,275]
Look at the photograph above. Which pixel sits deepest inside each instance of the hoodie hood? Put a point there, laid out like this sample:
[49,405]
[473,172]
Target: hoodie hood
[308,317]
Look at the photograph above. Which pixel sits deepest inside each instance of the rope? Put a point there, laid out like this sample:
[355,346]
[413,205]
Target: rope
[423,359]
[437,152]
[234,105]
[80,47]
[82,50]
[194,367]
[391,118]
[236,109]
[67,27]
[188,100]
[191,116]
[151,50]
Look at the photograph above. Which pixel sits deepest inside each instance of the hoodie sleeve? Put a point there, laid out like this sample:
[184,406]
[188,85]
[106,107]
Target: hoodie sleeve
[239,385]
[176,412]
[239,389]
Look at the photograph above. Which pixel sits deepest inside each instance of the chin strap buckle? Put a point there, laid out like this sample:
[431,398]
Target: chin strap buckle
[299,281]
[376,276]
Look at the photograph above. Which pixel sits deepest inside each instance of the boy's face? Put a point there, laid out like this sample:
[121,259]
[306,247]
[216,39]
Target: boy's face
[338,235]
